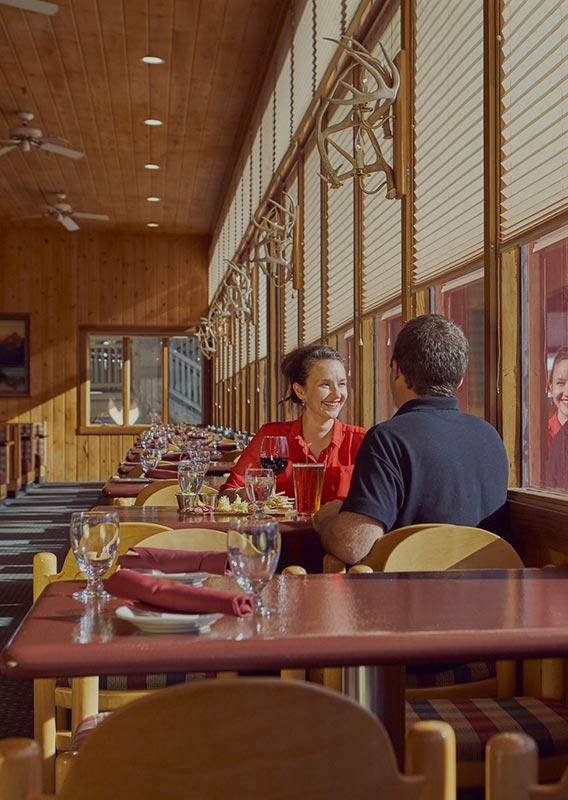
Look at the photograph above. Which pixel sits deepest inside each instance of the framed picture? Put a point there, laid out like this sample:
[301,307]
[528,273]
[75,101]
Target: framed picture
[14,355]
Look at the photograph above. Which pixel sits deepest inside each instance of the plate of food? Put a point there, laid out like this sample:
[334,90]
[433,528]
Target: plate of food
[192,578]
[167,622]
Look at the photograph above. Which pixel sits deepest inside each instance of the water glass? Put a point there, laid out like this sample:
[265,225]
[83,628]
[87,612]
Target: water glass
[253,550]
[259,485]
[94,537]
[190,477]
[149,459]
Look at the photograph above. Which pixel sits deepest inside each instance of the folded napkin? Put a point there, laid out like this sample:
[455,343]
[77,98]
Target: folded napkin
[171,596]
[164,473]
[175,560]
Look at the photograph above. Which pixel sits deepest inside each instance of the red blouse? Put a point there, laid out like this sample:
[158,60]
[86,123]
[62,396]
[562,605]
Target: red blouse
[338,456]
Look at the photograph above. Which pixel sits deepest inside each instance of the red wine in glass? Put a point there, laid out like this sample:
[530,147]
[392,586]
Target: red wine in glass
[274,453]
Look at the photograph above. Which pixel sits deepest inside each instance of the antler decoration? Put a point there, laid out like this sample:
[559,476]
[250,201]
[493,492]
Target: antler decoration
[368,110]
[273,245]
[234,298]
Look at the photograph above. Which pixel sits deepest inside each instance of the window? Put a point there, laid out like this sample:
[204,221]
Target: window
[148,376]
[346,348]
[388,325]
[545,360]
[462,301]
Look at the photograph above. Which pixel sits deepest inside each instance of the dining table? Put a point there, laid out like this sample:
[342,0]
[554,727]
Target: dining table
[125,487]
[376,623]
[301,545]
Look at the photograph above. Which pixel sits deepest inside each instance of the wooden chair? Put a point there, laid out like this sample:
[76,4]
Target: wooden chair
[83,697]
[247,738]
[511,771]
[163,493]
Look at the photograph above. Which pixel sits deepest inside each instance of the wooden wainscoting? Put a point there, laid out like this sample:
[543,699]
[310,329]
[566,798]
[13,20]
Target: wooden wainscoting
[539,527]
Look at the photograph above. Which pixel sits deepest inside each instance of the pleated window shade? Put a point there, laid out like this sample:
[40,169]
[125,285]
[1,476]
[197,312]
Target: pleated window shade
[267,145]
[340,243]
[311,285]
[262,315]
[283,110]
[245,181]
[303,48]
[328,26]
[244,343]
[534,179]
[289,295]
[382,234]
[255,188]
[448,135]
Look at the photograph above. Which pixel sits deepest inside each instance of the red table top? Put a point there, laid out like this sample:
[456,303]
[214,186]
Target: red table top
[131,487]
[322,620]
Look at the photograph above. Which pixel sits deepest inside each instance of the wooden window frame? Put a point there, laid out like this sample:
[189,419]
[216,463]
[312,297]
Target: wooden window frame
[126,332]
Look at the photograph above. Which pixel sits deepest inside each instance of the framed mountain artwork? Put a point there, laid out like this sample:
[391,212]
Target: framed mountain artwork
[14,355]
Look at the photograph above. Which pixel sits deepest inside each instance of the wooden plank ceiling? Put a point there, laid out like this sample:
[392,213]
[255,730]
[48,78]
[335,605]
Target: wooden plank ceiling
[80,72]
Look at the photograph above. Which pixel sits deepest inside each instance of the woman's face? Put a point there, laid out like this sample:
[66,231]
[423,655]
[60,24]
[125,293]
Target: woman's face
[325,391]
[559,389]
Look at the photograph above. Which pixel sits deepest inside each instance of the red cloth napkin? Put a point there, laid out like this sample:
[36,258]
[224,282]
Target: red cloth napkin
[164,473]
[175,560]
[171,596]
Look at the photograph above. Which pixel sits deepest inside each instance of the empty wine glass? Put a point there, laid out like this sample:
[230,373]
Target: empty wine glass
[259,485]
[190,477]
[94,537]
[149,459]
[253,550]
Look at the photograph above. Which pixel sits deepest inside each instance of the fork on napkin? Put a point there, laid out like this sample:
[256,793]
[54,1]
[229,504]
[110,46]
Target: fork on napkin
[211,561]
[169,596]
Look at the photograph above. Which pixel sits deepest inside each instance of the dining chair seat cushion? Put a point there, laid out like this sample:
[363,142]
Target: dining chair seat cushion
[451,675]
[476,720]
[140,682]
[85,727]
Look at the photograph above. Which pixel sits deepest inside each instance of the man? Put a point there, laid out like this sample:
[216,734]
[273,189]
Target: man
[430,462]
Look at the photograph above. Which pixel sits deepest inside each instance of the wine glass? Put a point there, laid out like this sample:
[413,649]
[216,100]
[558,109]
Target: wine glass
[149,459]
[190,477]
[94,537]
[274,453]
[253,550]
[259,485]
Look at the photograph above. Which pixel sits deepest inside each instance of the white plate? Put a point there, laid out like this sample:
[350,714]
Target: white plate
[193,578]
[166,622]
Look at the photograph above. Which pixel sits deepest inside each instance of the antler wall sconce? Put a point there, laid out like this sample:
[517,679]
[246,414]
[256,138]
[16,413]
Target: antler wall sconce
[233,299]
[273,244]
[369,99]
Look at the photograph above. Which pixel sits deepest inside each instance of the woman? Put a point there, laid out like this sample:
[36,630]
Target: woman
[316,381]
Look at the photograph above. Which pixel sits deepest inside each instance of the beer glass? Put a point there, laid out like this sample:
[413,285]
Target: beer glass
[308,482]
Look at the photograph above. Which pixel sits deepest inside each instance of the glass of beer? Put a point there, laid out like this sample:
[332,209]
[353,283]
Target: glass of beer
[308,482]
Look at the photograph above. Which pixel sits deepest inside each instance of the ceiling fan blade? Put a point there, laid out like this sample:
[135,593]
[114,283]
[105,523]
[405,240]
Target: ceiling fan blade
[5,150]
[62,151]
[40,6]
[86,215]
[67,222]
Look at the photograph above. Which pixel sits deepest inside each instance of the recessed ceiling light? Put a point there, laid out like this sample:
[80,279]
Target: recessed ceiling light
[153,199]
[153,122]
[151,166]
[152,60]
[152,224]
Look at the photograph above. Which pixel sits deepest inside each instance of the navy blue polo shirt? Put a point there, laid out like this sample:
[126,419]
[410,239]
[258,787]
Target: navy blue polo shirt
[431,463]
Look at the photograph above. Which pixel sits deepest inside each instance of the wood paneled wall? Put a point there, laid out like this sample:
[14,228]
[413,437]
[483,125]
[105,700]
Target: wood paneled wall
[64,280]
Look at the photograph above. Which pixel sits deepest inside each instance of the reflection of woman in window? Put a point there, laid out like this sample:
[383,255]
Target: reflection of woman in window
[558,386]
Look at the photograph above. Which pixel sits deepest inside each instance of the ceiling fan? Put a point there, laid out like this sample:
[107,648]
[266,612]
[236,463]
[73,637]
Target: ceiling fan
[62,212]
[40,6]
[25,137]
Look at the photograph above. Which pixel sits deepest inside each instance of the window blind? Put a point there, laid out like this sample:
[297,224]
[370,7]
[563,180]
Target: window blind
[534,180]
[340,244]
[311,285]
[290,295]
[328,25]
[267,144]
[262,315]
[244,343]
[448,135]
[283,110]
[303,49]
[255,187]
[382,235]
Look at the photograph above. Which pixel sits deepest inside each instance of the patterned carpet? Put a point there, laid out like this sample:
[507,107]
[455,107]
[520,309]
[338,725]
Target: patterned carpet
[35,521]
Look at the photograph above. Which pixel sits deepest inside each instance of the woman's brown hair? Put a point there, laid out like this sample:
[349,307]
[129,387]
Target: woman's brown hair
[296,366]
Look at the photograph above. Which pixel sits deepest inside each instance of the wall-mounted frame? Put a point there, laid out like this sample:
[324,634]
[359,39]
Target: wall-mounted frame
[14,355]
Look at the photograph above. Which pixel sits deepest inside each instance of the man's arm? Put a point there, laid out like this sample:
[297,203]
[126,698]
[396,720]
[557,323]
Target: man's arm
[346,535]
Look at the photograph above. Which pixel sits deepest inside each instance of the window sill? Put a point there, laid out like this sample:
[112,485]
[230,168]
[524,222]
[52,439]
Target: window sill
[537,498]
[111,430]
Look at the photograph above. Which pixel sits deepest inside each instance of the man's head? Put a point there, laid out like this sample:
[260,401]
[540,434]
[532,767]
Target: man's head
[429,358]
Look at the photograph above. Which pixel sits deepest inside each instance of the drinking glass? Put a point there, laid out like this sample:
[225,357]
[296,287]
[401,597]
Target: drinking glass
[259,485]
[253,550]
[190,477]
[149,459]
[308,484]
[94,537]
[274,453]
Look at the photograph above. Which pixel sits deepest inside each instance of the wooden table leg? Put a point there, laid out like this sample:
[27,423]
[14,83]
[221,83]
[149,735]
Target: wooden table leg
[381,691]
